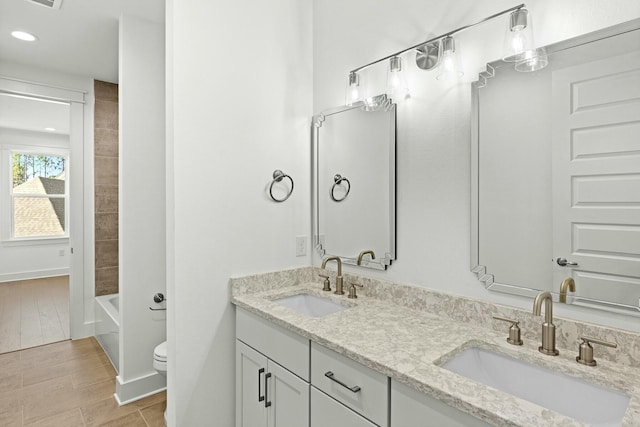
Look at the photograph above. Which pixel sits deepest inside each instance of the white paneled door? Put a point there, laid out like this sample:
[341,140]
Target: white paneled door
[596,178]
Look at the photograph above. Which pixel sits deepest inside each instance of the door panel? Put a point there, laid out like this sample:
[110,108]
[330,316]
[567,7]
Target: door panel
[250,376]
[596,177]
[289,397]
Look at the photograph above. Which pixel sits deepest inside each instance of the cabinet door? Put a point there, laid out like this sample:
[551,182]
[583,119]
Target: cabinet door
[287,398]
[327,412]
[251,368]
[410,408]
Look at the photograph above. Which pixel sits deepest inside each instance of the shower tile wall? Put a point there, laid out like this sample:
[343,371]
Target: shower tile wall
[106,187]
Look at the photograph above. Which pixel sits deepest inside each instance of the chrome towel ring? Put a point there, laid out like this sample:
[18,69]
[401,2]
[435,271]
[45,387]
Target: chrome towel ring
[278,176]
[338,180]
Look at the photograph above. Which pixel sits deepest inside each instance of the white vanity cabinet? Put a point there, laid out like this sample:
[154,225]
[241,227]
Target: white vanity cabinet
[410,408]
[284,380]
[267,394]
[346,393]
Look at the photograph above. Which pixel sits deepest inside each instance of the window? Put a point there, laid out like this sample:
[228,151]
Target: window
[38,195]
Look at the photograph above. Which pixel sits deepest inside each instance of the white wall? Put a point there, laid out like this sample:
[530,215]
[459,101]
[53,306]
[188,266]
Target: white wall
[141,204]
[434,125]
[240,84]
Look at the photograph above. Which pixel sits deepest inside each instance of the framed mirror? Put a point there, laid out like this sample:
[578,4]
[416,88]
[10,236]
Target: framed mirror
[556,173]
[354,150]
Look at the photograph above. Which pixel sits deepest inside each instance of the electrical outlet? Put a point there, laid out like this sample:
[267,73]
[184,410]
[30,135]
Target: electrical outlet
[301,245]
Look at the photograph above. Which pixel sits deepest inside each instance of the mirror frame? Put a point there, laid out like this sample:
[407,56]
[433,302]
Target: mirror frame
[382,102]
[486,278]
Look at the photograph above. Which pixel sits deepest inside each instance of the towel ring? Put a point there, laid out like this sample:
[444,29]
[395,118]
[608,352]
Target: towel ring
[278,176]
[337,180]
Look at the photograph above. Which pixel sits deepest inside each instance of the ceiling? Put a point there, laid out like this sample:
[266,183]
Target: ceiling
[79,38]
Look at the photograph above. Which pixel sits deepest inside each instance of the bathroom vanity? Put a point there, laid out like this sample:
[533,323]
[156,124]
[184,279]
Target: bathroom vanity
[379,360]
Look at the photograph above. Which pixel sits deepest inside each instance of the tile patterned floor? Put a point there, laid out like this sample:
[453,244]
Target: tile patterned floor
[68,384]
[33,312]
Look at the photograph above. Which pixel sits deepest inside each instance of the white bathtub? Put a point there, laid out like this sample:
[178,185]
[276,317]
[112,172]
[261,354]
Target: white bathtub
[107,326]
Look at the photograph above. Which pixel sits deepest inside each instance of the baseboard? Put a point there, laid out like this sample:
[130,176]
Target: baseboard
[139,388]
[38,274]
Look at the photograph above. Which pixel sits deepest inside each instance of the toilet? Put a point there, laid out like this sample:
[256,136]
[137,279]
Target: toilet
[160,364]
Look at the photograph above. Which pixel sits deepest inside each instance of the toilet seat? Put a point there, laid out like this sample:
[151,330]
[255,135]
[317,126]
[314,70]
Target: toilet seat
[160,357]
[160,352]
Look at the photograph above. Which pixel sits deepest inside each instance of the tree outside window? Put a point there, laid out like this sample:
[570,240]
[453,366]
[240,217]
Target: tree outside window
[38,194]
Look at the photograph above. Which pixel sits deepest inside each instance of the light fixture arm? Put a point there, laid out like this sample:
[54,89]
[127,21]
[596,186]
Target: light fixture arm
[450,33]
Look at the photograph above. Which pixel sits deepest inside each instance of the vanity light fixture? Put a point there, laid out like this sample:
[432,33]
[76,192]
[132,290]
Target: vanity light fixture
[24,36]
[440,51]
[397,87]
[354,92]
[449,69]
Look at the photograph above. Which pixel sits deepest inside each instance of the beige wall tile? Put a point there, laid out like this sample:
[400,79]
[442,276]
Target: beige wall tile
[105,91]
[105,115]
[106,198]
[106,253]
[105,142]
[106,226]
[106,281]
[106,170]
[106,153]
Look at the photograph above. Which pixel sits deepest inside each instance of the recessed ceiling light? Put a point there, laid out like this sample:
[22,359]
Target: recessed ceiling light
[22,35]
[50,129]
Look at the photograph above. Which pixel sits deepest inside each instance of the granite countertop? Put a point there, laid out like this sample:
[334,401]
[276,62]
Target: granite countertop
[408,345]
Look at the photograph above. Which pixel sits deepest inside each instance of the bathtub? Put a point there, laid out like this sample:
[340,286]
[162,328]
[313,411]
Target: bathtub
[107,326]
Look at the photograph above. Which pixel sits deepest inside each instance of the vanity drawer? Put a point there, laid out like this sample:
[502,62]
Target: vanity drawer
[278,344]
[372,397]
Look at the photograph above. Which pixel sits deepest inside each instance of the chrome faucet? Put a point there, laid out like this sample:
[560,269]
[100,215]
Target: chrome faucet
[548,328]
[337,259]
[363,253]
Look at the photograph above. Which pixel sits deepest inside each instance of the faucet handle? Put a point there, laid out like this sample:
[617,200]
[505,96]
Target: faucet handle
[327,283]
[514,330]
[352,290]
[585,350]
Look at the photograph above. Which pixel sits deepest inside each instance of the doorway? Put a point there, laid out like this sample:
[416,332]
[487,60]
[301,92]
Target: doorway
[41,275]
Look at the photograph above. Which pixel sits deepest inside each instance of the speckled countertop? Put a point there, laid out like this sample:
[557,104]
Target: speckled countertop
[408,344]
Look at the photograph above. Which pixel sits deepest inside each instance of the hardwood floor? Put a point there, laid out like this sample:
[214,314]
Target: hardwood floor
[68,384]
[33,312]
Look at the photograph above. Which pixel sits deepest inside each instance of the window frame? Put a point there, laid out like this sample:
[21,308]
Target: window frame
[8,226]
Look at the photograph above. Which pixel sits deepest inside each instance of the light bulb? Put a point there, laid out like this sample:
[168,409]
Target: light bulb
[397,87]
[354,91]
[449,62]
[518,37]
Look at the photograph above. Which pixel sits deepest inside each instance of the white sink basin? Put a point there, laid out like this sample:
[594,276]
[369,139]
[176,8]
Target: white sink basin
[310,305]
[586,402]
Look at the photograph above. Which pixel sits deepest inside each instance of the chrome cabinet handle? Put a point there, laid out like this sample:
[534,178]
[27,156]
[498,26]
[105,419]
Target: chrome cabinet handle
[330,375]
[266,390]
[260,372]
[563,262]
